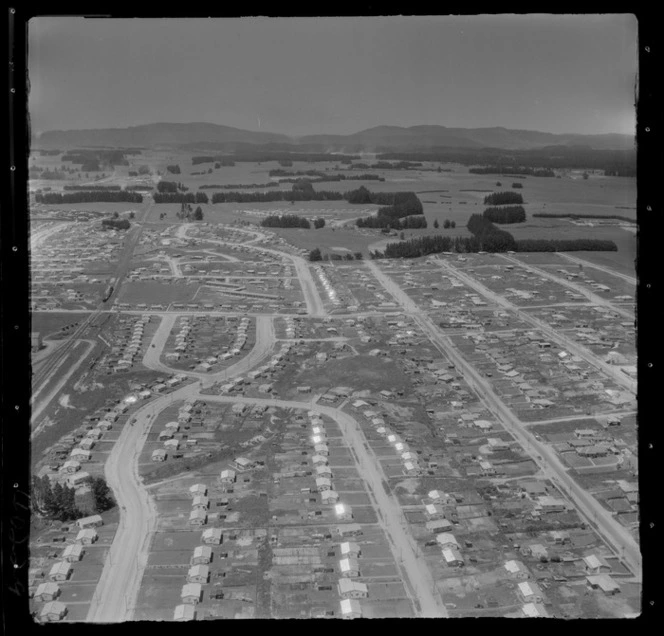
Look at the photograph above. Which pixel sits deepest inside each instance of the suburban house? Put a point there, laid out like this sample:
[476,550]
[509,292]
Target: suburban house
[227,476]
[350,608]
[349,567]
[329,496]
[433,511]
[323,483]
[447,540]
[452,557]
[192,593]
[350,530]
[53,611]
[438,525]
[198,489]
[529,592]
[350,550]
[318,459]
[517,570]
[321,449]
[212,536]
[603,582]
[172,444]
[158,455]
[352,589]
[534,610]
[323,470]
[202,555]
[60,571]
[343,511]
[73,552]
[48,591]
[197,517]
[200,502]
[242,464]
[87,536]
[71,466]
[551,504]
[198,574]
[184,613]
[165,434]
[90,522]
[595,564]
[80,455]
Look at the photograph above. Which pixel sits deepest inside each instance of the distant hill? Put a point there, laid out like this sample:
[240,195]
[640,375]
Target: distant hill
[380,138]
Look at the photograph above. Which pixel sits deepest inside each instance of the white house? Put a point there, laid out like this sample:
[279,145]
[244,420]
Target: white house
[87,536]
[323,483]
[438,525]
[184,613]
[73,552]
[212,536]
[227,476]
[172,444]
[60,571]
[352,589]
[534,610]
[322,470]
[433,511]
[350,608]
[197,517]
[343,511]
[349,530]
[447,540]
[200,502]
[350,550]
[603,582]
[595,564]
[53,611]
[198,489]
[80,455]
[198,574]
[202,555]
[516,569]
[319,459]
[529,592]
[329,496]
[321,449]
[452,557]
[192,593]
[158,455]
[349,567]
[71,466]
[90,522]
[47,591]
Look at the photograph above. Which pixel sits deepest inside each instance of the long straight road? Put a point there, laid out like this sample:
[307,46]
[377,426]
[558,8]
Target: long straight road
[388,509]
[613,533]
[606,270]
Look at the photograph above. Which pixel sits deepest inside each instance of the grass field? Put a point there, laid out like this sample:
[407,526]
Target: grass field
[148,292]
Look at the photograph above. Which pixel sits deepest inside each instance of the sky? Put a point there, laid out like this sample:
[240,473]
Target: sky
[300,76]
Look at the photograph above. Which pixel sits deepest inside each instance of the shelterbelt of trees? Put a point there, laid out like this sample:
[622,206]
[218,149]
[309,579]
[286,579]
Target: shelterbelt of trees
[90,196]
[506,214]
[503,198]
[513,170]
[545,215]
[92,187]
[281,156]
[487,237]
[291,220]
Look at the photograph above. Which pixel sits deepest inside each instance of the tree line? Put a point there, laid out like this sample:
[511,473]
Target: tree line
[238,185]
[275,195]
[250,156]
[90,196]
[286,220]
[316,255]
[507,214]
[565,245]
[58,501]
[180,197]
[115,224]
[503,198]
[544,215]
[513,170]
[92,187]
[491,238]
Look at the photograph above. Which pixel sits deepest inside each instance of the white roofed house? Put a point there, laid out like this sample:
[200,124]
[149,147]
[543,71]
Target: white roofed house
[158,455]
[352,589]
[80,455]
[438,525]
[71,466]
[198,489]
[343,511]
[197,517]
[184,613]
[409,468]
[53,611]
[90,522]
[242,463]
[60,571]
[534,610]
[321,449]
[86,443]
[350,608]
[516,569]
[227,476]
[452,557]
[349,549]
[86,536]
[318,459]
[212,536]
[202,555]
[73,552]
[529,592]
[200,502]
[595,564]
[603,582]
[192,593]
[329,496]
[349,530]
[323,470]
[349,567]
[447,540]
[198,574]
[47,591]
[172,444]
[434,511]
[167,433]
[323,483]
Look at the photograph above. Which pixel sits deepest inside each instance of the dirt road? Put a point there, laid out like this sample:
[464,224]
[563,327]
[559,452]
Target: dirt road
[606,270]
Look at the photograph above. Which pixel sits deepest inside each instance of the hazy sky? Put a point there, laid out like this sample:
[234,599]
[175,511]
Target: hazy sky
[300,76]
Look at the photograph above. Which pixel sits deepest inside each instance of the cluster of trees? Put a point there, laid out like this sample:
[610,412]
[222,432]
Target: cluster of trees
[491,238]
[144,188]
[92,187]
[397,205]
[96,157]
[387,223]
[507,214]
[238,185]
[173,169]
[514,170]
[315,255]
[180,197]
[186,212]
[260,156]
[90,196]
[319,223]
[399,165]
[565,245]
[167,186]
[286,220]
[47,174]
[116,223]
[446,224]
[426,245]
[517,185]
[317,176]
[503,198]
[58,502]
[49,153]
[286,163]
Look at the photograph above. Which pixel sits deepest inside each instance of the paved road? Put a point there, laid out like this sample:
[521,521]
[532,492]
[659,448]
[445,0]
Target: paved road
[592,297]
[609,529]
[606,270]
[390,515]
[574,347]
